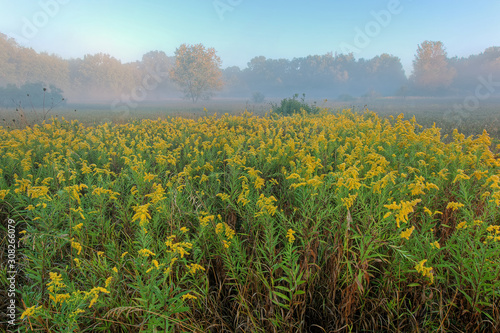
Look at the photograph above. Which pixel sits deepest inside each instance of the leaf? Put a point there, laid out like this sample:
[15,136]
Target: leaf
[280,304]
[414,285]
[277,293]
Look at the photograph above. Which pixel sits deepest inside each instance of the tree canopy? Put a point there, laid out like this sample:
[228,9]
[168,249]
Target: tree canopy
[197,71]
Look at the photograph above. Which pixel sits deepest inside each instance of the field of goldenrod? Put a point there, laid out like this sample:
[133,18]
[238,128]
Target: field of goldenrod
[320,223]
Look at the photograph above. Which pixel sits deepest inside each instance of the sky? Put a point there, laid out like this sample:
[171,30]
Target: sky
[242,29]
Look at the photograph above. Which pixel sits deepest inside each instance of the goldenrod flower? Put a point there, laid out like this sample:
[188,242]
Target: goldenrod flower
[77,246]
[3,193]
[55,282]
[94,292]
[31,311]
[222,196]
[461,175]
[290,236]
[146,253]
[426,271]
[77,262]
[454,205]
[435,245]
[402,210]
[188,296]
[78,226]
[407,233]
[195,267]
[141,214]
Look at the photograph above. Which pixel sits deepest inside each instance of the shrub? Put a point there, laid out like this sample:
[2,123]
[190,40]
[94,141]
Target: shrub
[290,106]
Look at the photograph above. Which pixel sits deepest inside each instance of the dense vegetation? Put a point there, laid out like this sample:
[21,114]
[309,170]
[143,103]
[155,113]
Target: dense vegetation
[310,222]
[101,77]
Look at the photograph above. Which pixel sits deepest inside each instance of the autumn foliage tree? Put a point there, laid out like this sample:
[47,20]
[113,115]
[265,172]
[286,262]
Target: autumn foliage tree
[431,69]
[197,71]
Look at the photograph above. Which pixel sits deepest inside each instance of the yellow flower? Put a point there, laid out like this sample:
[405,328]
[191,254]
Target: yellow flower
[184,229]
[77,246]
[146,253]
[77,262]
[348,202]
[290,236]
[78,227]
[195,267]
[108,281]
[454,205]
[426,271]
[462,225]
[55,282]
[179,248]
[436,245]
[402,210]
[115,269]
[31,311]
[407,233]
[141,214]
[461,175]
[94,292]
[222,196]
[188,296]
[124,254]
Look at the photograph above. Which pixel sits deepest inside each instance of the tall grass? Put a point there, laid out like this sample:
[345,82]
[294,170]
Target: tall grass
[321,223]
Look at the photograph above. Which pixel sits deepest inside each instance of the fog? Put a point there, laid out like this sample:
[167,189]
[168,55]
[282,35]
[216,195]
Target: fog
[102,79]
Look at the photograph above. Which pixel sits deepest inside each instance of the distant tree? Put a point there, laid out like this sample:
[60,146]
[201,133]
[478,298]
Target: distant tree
[431,69]
[258,97]
[102,74]
[197,71]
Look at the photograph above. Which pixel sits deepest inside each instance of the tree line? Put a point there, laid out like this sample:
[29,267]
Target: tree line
[196,72]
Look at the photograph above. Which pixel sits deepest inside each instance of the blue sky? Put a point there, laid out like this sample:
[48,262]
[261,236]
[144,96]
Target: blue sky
[242,29]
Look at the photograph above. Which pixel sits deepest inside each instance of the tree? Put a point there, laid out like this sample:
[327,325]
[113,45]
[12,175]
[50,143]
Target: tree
[431,70]
[101,74]
[197,71]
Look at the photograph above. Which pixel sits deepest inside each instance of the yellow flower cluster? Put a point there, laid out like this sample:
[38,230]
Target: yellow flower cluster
[290,236]
[266,205]
[401,210]
[426,271]
[407,233]
[141,214]
[179,248]
[146,253]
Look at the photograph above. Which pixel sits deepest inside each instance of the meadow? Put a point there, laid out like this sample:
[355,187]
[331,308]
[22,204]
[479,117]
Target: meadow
[342,221]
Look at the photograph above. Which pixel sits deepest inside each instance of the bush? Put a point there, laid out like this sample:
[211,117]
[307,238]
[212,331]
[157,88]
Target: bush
[289,106]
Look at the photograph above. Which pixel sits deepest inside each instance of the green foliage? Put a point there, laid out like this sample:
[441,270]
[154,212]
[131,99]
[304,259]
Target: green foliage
[290,106]
[256,224]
